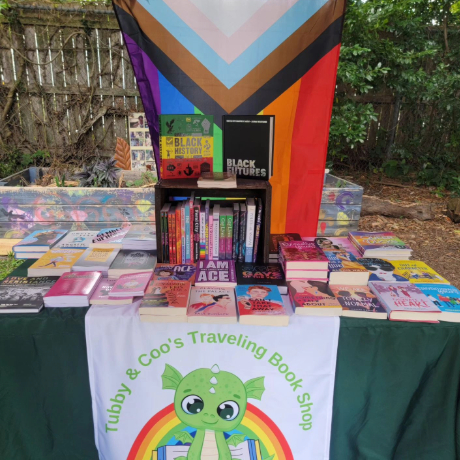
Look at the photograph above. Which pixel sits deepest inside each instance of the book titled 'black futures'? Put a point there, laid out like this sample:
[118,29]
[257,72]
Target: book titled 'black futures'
[248,145]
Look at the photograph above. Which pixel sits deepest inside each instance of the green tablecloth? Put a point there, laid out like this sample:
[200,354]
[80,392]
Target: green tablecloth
[396,396]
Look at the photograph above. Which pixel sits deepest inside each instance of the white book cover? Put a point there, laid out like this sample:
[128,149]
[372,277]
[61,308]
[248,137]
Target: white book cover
[215,231]
[250,224]
[77,240]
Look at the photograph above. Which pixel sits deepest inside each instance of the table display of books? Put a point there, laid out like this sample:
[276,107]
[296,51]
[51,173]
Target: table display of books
[313,277]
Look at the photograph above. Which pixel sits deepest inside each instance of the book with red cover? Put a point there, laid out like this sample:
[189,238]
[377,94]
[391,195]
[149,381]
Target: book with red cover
[166,297]
[101,294]
[73,289]
[131,285]
[302,255]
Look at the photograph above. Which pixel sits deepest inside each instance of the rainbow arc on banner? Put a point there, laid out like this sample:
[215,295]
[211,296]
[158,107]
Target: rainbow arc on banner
[274,57]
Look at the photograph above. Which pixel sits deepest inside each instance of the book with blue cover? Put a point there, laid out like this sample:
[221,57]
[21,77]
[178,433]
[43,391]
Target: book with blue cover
[40,241]
[446,298]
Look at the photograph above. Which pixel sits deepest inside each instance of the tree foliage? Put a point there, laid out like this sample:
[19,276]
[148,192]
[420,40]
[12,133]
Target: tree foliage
[406,53]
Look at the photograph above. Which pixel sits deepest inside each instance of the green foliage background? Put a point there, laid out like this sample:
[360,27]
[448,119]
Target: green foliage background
[407,50]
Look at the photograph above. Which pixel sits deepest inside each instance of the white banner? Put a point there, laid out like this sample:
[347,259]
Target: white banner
[214,392]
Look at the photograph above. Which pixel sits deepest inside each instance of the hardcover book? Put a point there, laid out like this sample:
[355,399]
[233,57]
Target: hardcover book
[77,240]
[102,291]
[39,241]
[381,270]
[186,145]
[213,305]
[276,238]
[55,262]
[261,305]
[345,269]
[405,302]
[417,272]
[179,272]
[166,298]
[248,144]
[337,244]
[380,244]
[19,294]
[446,298]
[263,274]
[309,297]
[215,273]
[131,285]
[132,261]
[358,302]
[110,238]
[73,290]
[302,255]
[97,259]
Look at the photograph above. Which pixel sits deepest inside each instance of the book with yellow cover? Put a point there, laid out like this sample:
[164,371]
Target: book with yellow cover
[6,245]
[55,262]
[417,272]
[186,145]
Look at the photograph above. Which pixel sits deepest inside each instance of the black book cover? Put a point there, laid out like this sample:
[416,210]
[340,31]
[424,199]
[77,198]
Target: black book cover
[24,293]
[248,145]
[261,273]
[275,238]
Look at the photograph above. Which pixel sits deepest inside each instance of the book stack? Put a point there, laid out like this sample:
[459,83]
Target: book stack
[132,261]
[37,244]
[95,259]
[101,296]
[165,301]
[140,237]
[303,260]
[384,245]
[275,239]
[73,290]
[193,229]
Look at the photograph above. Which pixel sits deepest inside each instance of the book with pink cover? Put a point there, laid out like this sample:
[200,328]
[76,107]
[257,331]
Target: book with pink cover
[212,305]
[73,289]
[101,294]
[302,255]
[131,285]
[337,244]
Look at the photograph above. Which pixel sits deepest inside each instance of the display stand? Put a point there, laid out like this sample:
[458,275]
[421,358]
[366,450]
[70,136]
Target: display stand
[246,188]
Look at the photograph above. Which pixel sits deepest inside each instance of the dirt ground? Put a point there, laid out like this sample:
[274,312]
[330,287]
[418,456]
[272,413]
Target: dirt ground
[435,242]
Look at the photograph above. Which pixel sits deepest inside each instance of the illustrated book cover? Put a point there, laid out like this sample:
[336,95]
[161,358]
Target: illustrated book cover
[276,238]
[213,305]
[55,262]
[110,238]
[77,240]
[337,244]
[131,261]
[417,272]
[405,302]
[381,270]
[98,259]
[358,302]
[446,298]
[301,255]
[101,294]
[261,273]
[40,241]
[345,269]
[179,272]
[166,297]
[311,297]
[215,273]
[131,285]
[375,244]
[186,145]
[261,305]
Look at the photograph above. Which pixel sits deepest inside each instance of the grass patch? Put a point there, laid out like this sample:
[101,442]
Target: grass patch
[8,264]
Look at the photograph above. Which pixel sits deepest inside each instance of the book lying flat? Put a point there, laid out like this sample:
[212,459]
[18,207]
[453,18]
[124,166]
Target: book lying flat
[385,245]
[405,302]
[358,302]
[179,272]
[131,285]
[110,238]
[20,294]
[217,180]
[417,272]
[338,244]
[313,298]
[39,241]
[214,305]
[381,270]
[218,273]
[77,240]
[166,298]
[140,236]
[345,269]
[95,259]
[132,261]
[301,255]
[55,262]
[276,238]
[261,306]
[260,273]
[446,298]
[101,294]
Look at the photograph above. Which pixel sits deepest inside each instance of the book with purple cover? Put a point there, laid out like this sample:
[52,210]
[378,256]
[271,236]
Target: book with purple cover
[131,285]
[219,273]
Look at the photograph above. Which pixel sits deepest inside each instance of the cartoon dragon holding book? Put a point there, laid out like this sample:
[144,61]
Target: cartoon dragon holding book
[213,402]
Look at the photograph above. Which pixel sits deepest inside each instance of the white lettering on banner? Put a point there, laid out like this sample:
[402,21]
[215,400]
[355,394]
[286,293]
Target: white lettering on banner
[210,389]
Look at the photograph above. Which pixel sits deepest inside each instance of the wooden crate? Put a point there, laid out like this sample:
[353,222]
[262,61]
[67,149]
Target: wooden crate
[340,207]
[246,189]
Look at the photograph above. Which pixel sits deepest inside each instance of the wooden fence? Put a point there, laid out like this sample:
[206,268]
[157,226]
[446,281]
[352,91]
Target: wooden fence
[67,84]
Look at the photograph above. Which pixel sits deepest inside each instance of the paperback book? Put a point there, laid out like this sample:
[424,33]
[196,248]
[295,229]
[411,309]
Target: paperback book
[381,270]
[385,245]
[179,272]
[337,244]
[213,305]
[132,261]
[219,273]
[261,305]
[95,259]
[131,285]
[302,255]
[276,238]
[110,238]
[39,241]
[446,298]
[405,302]
[358,302]
[102,291]
[345,269]
[186,145]
[55,262]
[77,240]
[20,294]
[73,289]
[313,298]
[140,236]
[166,298]
[262,274]
[417,272]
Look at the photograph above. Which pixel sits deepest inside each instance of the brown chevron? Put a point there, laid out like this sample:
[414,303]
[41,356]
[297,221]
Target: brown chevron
[230,98]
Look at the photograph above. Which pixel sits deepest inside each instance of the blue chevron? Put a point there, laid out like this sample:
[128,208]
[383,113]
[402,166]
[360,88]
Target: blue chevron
[230,74]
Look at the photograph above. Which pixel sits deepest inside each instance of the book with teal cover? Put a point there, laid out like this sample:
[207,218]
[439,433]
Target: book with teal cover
[444,296]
